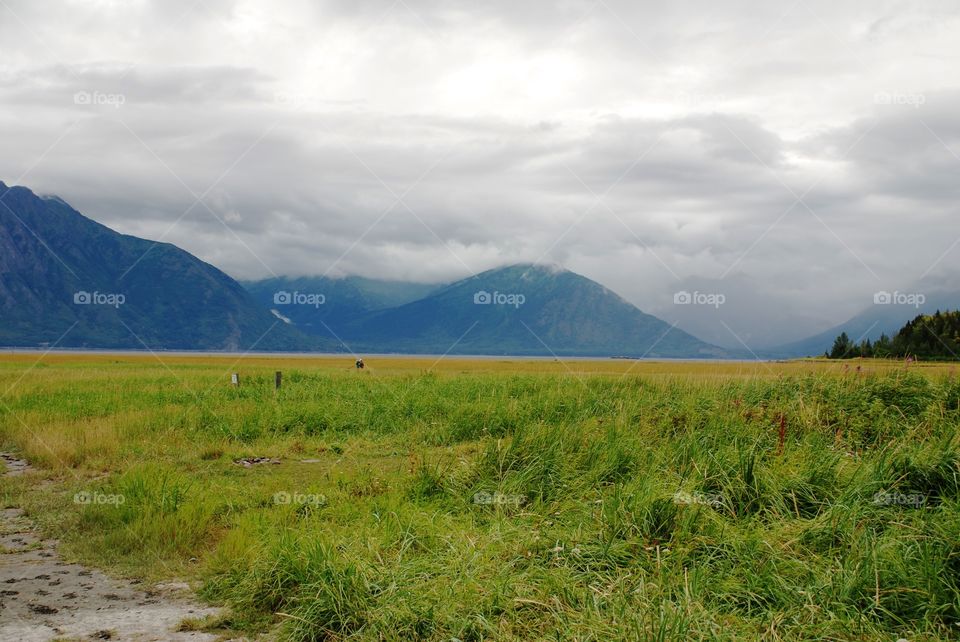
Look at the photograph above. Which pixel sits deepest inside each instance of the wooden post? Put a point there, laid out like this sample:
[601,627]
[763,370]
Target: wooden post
[235,379]
[278,379]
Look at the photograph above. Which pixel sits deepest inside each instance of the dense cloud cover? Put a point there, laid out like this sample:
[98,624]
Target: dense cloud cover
[794,156]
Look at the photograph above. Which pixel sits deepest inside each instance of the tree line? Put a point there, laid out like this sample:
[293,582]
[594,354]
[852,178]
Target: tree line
[929,336]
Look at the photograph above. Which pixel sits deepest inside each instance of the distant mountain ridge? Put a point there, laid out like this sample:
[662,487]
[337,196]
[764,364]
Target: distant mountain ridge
[336,301]
[883,317]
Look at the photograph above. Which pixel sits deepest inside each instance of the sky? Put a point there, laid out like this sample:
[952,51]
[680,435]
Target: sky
[793,157]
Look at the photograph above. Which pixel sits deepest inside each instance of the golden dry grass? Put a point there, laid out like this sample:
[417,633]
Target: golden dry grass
[415,364]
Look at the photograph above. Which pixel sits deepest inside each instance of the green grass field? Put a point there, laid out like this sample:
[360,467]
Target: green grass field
[507,500]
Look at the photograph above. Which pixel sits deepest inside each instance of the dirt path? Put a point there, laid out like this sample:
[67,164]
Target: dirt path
[43,598]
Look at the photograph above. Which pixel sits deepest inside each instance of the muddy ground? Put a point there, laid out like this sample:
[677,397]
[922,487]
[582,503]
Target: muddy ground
[43,597]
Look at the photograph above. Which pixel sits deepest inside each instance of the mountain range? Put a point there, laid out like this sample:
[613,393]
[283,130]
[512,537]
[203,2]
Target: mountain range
[70,282]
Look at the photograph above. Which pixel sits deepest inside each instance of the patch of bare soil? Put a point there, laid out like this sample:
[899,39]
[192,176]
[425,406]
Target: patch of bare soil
[44,598]
[255,461]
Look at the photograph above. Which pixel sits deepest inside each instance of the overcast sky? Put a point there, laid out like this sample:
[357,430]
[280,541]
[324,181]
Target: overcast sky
[795,156]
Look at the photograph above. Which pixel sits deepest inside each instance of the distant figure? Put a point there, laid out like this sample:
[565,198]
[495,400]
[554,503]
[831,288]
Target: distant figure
[359,364]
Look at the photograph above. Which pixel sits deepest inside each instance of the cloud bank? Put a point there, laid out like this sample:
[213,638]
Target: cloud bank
[794,156]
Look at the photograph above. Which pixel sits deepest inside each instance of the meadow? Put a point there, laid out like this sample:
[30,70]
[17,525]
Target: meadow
[458,499]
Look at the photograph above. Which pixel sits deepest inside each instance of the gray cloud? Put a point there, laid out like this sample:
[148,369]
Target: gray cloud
[652,148]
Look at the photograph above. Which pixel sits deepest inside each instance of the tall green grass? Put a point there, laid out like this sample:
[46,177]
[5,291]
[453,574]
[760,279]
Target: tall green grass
[535,506]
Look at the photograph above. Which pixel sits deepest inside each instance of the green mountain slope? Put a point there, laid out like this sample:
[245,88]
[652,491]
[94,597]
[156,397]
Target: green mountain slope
[70,281]
[320,305]
[526,310]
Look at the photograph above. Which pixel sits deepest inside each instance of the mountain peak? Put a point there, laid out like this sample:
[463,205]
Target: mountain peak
[17,189]
[542,265]
[523,269]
